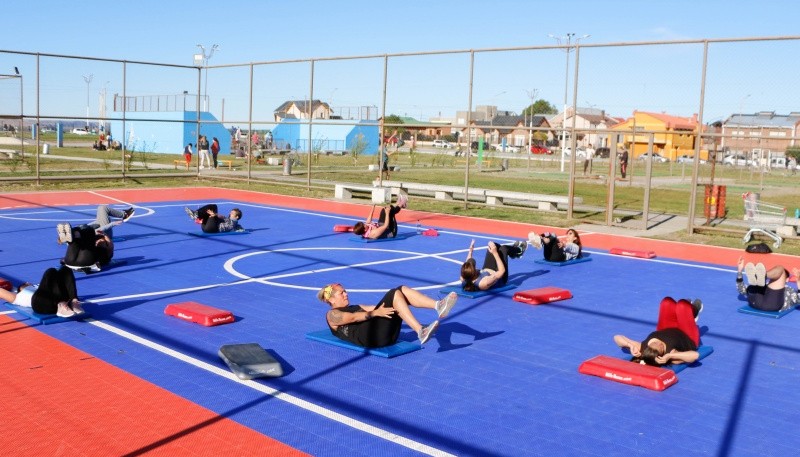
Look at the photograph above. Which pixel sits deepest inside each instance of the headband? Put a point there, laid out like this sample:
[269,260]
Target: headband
[327,292]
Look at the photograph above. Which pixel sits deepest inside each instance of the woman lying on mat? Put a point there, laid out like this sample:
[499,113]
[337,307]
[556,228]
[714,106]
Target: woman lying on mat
[767,290]
[555,249]
[676,337]
[386,227]
[494,272]
[379,325]
[212,222]
[55,294]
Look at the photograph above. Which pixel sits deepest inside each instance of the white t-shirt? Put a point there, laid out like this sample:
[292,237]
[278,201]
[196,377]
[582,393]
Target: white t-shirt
[25,297]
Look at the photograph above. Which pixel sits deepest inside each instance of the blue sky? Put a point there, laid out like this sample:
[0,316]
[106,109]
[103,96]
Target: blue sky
[746,77]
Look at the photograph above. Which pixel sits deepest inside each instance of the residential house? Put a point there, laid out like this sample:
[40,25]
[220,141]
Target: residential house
[512,128]
[299,109]
[760,135]
[591,126]
[672,135]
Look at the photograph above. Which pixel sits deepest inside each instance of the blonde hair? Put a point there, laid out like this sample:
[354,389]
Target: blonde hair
[326,292]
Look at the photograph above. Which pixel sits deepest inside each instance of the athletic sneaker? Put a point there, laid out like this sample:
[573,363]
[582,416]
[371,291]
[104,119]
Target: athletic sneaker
[697,308]
[128,214]
[535,240]
[64,233]
[750,273]
[761,274]
[402,201]
[444,305]
[425,333]
[523,245]
[77,307]
[192,214]
[64,310]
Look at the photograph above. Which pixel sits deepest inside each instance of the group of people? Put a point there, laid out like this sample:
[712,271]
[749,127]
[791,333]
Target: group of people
[203,148]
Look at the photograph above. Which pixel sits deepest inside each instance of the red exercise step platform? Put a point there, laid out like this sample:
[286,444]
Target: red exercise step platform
[542,295]
[199,313]
[5,284]
[633,253]
[342,228]
[635,374]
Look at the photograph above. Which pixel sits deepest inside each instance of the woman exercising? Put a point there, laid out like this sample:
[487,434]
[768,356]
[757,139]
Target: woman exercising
[767,290]
[555,249]
[386,227]
[55,294]
[494,272]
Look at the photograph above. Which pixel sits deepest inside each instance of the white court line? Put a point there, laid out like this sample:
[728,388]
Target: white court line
[291,399]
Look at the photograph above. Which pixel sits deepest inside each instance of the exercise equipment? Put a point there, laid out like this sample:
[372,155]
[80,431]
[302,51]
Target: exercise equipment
[232,232]
[6,284]
[399,236]
[250,360]
[399,348]
[477,293]
[637,374]
[542,295]
[199,313]
[747,309]
[342,228]
[642,254]
[625,372]
[45,319]
[585,257]
[430,232]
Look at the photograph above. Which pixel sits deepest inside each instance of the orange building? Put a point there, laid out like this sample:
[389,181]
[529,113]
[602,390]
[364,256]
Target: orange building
[673,136]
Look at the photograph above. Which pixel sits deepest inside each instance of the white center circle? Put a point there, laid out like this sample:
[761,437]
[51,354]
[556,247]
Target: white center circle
[229,267]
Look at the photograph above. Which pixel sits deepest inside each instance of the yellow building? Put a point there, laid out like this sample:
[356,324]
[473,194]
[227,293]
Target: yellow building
[673,136]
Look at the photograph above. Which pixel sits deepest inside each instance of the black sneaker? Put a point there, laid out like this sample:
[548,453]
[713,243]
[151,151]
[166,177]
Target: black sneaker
[128,214]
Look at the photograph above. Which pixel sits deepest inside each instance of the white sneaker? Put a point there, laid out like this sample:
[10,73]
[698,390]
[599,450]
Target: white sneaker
[761,274]
[444,305]
[64,310]
[425,333]
[402,201]
[535,240]
[750,272]
[64,233]
[77,307]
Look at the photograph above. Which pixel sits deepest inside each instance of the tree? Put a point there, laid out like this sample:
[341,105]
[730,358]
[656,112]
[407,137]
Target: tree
[394,119]
[540,107]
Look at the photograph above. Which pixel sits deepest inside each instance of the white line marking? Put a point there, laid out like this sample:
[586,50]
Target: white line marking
[306,405]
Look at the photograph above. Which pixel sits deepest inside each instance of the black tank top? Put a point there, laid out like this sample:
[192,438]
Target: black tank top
[350,332]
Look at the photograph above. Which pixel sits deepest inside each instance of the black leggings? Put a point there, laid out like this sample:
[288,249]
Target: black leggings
[764,298]
[390,232]
[208,223]
[82,252]
[505,251]
[56,286]
[376,332]
[551,250]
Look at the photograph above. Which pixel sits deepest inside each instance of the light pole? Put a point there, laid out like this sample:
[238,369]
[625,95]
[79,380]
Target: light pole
[568,40]
[532,94]
[202,59]
[88,79]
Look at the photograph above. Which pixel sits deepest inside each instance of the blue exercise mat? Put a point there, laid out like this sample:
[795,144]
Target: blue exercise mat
[399,348]
[477,293]
[234,232]
[747,309]
[585,257]
[45,319]
[399,236]
[704,352]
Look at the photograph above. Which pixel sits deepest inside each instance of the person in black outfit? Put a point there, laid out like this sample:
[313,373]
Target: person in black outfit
[767,290]
[86,246]
[379,325]
[211,222]
[55,294]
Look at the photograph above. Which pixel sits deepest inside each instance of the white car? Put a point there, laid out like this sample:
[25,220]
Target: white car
[80,131]
[737,160]
[581,154]
[509,148]
[656,157]
[688,159]
[441,144]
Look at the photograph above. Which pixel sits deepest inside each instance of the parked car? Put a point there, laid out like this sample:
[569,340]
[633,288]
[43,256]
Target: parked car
[581,154]
[736,160]
[508,148]
[656,157]
[602,153]
[536,149]
[441,144]
[686,158]
[80,131]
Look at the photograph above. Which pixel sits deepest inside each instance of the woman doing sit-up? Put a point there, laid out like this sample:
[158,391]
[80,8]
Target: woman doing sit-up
[494,272]
[556,249]
[379,325]
[767,290]
[55,294]
[386,227]
[676,338]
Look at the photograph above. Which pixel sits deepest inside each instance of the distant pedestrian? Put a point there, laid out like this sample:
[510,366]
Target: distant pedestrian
[215,150]
[187,155]
[202,150]
[623,163]
[587,163]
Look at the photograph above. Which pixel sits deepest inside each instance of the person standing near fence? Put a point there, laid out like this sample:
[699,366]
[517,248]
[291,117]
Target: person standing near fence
[215,150]
[623,163]
[587,163]
[202,149]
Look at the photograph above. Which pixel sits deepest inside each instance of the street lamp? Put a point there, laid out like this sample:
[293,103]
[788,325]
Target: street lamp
[88,79]
[202,59]
[568,40]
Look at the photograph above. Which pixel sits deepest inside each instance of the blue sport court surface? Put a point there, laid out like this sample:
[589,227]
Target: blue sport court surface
[499,378]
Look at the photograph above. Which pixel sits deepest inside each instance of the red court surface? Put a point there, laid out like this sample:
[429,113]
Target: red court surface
[59,400]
